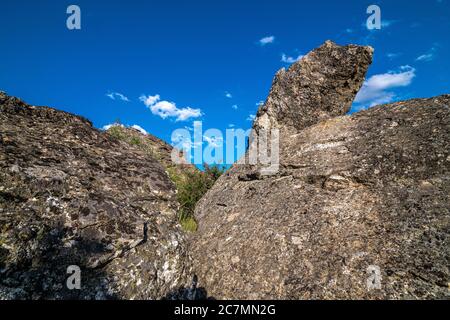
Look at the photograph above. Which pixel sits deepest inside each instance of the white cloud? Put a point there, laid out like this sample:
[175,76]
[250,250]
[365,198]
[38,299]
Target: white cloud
[375,90]
[166,109]
[109,126]
[266,40]
[287,59]
[430,55]
[231,125]
[117,95]
[251,117]
[387,23]
[392,55]
[384,24]
[150,100]
[134,126]
[425,57]
[228,95]
[234,106]
[139,128]
[259,103]
[187,113]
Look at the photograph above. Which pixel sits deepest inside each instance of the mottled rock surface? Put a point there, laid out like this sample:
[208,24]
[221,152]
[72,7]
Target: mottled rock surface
[72,195]
[354,194]
[320,86]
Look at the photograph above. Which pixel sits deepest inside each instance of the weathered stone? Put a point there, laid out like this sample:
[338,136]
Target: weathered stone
[72,195]
[155,148]
[354,194]
[320,86]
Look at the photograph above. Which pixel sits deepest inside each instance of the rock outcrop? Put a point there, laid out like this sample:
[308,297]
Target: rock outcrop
[360,208]
[72,195]
[328,77]
[155,148]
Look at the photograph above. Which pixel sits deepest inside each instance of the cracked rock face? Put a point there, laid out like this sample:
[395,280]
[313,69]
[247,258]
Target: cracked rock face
[71,195]
[360,208]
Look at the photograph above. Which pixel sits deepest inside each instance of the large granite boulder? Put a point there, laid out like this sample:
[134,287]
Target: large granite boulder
[72,195]
[360,208]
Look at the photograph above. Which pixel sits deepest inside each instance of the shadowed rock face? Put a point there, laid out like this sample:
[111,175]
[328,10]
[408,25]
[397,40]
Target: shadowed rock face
[354,195]
[71,195]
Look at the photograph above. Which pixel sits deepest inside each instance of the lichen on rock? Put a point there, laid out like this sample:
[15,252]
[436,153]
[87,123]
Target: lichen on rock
[73,195]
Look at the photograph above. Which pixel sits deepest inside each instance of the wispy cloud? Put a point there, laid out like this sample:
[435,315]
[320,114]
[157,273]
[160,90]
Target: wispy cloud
[234,106]
[387,23]
[392,55]
[228,95]
[376,90]
[166,109]
[384,24]
[266,40]
[287,59]
[117,95]
[429,56]
[251,117]
[425,57]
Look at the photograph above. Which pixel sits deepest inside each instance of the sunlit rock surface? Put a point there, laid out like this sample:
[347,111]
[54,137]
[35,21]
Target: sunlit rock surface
[360,207]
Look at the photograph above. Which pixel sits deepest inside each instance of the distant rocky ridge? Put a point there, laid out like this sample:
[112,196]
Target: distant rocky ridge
[72,195]
[155,148]
[360,208]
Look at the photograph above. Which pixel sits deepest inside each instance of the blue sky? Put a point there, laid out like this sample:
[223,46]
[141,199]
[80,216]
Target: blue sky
[163,64]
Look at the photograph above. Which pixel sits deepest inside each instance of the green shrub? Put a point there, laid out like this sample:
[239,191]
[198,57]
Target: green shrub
[188,224]
[135,141]
[191,189]
[117,132]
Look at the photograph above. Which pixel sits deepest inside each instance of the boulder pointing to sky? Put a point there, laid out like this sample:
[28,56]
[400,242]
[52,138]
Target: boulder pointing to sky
[321,85]
[72,195]
[359,209]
